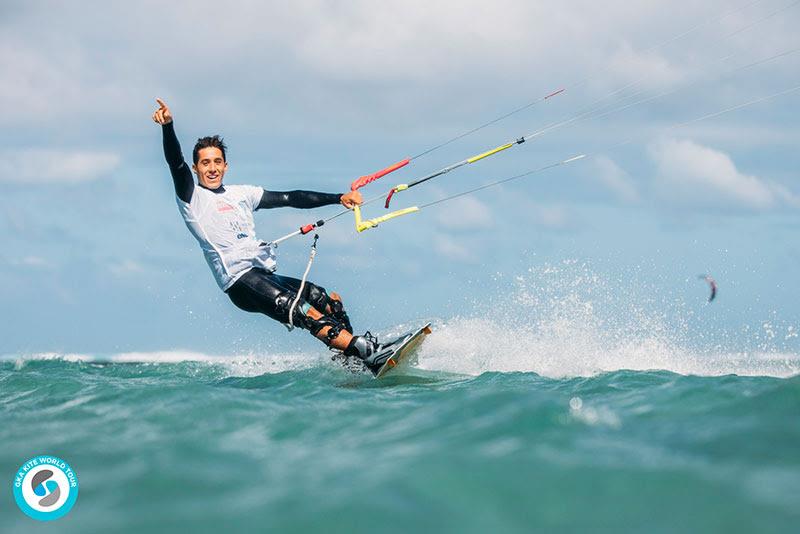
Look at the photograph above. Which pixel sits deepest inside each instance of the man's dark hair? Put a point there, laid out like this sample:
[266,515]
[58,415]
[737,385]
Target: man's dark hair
[214,141]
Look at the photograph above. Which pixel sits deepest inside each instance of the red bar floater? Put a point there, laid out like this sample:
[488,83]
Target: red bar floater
[368,178]
[392,191]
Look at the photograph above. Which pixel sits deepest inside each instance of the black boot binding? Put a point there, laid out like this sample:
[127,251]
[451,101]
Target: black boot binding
[338,313]
[369,351]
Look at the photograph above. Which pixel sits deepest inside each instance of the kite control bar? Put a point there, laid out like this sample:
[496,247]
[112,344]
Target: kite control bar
[366,224]
[362,224]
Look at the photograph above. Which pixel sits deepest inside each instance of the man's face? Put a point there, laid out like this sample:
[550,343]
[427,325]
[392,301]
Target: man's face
[210,167]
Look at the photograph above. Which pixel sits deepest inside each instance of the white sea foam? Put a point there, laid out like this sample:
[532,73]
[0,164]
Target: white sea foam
[556,321]
[236,365]
[475,346]
[461,346]
[562,321]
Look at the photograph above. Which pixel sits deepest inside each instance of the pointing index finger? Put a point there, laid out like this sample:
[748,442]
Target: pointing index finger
[161,103]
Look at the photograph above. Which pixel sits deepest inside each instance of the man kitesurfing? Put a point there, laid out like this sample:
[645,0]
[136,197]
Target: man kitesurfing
[220,217]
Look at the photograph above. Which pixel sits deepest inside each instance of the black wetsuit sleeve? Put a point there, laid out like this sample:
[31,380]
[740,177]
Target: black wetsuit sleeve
[297,199]
[181,175]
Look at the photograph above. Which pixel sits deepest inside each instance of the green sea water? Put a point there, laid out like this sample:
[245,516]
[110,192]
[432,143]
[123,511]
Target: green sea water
[465,441]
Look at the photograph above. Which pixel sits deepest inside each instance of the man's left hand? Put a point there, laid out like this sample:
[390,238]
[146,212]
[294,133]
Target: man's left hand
[351,199]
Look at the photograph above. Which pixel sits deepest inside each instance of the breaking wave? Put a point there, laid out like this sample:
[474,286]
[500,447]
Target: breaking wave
[557,321]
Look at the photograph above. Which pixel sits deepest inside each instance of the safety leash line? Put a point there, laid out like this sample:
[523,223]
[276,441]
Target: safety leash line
[290,326]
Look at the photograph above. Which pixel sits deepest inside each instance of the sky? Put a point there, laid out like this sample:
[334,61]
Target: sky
[95,257]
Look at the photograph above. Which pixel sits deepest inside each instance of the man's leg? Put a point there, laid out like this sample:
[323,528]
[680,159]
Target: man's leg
[316,311]
[329,304]
[340,342]
[273,295]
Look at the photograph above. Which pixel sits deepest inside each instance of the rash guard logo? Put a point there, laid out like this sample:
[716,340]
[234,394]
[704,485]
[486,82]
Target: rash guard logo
[223,206]
[45,487]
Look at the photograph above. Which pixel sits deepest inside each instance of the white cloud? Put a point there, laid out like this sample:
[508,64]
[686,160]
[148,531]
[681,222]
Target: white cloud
[645,68]
[125,267]
[745,135]
[415,39]
[32,261]
[321,60]
[464,213]
[551,216]
[615,179]
[59,85]
[692,174]
[450,247]
[30,84]
[527,212]
[41,166]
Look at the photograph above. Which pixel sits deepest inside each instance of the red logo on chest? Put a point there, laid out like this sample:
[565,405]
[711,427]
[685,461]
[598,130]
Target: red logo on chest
[223,206]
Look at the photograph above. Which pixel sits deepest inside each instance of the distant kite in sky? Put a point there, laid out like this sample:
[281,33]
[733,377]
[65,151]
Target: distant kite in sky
[712,284]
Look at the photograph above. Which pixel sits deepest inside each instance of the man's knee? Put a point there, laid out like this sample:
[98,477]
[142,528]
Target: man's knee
[283,305]
[335,304]
[317,297]
[328,305]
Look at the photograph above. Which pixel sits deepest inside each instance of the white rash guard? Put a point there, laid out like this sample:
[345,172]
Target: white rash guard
[222,222]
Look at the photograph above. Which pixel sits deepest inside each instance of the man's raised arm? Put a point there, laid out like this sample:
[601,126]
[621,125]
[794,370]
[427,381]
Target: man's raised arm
[181,174]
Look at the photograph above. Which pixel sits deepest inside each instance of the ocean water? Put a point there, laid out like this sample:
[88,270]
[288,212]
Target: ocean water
[570,420]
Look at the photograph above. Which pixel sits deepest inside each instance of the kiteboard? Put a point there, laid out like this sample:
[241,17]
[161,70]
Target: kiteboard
[399,350]
[402,348]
